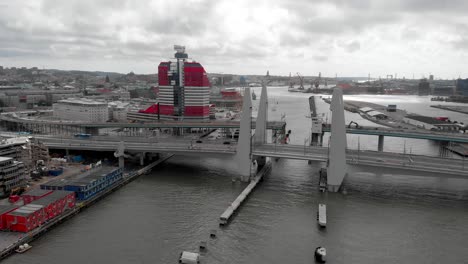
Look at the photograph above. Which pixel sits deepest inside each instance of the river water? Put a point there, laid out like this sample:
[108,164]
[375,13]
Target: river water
[386,216]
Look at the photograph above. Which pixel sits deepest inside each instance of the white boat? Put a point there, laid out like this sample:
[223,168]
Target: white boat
[322,215]
[189,258]
[23,248]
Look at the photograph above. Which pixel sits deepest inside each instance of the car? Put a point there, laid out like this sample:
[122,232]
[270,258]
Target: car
[227,142]
[198,141]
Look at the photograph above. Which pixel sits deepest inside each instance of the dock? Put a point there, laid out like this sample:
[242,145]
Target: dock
[9,241]
[234,206]
[454,108]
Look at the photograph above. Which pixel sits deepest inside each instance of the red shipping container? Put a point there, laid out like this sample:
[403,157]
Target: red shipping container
[56,202]
[35,194]
[4,210]
[25,218]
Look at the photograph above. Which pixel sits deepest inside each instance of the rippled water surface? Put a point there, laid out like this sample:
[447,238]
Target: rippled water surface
[386,216]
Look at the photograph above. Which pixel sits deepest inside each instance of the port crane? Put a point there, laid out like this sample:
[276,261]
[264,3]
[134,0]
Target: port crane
[317,82]
[301,81]
[290,82]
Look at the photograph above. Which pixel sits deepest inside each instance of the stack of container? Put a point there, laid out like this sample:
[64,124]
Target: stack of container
[34,194]
[34,214]
[89,183]
[94,183]
[25,218]
[4,210]
[55,203]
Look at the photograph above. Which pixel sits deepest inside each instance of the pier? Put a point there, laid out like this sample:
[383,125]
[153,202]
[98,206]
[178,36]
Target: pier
[234,206]
[9,241]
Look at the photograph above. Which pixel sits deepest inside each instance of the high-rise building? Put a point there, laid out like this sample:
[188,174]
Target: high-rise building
[184,88]
[462,87]
[424,87]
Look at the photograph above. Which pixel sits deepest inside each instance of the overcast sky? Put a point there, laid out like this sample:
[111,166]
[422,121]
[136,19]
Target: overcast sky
[347,37]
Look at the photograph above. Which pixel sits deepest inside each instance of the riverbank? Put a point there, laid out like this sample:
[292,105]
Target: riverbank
[9,241]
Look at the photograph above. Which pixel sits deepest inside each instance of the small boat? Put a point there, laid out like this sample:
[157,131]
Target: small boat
[203,245]
[23,248]
[322,215]
[320,254]
[323,180]
[213,233]
[189,258]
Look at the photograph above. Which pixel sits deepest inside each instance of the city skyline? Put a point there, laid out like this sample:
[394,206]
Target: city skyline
[349,38]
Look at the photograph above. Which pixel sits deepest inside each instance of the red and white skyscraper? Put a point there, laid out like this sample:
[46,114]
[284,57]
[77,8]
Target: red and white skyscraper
[184,88]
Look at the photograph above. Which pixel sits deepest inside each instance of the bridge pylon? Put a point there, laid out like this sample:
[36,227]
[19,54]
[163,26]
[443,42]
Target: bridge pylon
[260,136]
[244,145]
[337,152]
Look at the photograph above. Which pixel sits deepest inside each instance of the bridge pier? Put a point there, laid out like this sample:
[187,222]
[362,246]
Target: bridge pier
[121,162]
[381,143]
[443,151]
[142,158]
[120,154]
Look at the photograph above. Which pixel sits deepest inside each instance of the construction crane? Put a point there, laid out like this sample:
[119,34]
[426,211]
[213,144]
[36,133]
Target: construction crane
[317,82]
[301,82]
[291,85]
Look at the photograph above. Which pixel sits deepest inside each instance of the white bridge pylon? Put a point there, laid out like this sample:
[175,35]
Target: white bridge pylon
[244,157]
[337,153]
[244,151]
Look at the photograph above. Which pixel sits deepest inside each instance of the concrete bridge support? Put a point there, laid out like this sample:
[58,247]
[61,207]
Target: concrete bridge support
[261,125]
[337,151]
[120,154]
[443,151]
[244,144]
[142,158]
[381,143]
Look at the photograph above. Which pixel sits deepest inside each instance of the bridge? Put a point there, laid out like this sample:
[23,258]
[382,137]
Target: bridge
[404,133]
[250,148]
[309,153]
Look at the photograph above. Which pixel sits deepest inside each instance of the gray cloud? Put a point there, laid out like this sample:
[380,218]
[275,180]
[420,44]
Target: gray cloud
[244,35]
[351,46]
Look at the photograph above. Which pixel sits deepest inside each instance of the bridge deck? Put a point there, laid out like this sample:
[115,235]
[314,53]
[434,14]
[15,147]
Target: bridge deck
[389,132]
[215,148]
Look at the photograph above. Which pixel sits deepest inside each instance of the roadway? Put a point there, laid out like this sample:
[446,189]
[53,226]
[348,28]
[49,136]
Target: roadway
[369,158]
[216,147]
[184,146]
[160,124]
[418,134]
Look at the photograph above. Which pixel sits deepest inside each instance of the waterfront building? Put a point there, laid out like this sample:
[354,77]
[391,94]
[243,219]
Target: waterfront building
[81,110]
[424,87]
[462,87]
[118,111]
[184,89]
[12,175]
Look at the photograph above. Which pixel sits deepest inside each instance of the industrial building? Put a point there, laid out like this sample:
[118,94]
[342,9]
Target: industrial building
[12,175]
[81,110]
[424,88]
[462,87]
